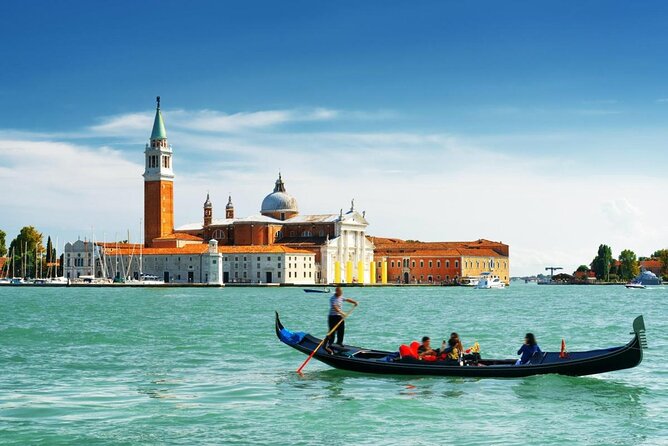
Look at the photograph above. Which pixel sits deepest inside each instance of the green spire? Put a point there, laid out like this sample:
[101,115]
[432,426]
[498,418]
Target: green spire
[159,131]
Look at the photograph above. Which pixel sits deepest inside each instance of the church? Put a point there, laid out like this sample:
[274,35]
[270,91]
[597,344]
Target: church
[277,245]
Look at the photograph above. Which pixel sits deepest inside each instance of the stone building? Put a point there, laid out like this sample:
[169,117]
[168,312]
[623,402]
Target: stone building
[440,262]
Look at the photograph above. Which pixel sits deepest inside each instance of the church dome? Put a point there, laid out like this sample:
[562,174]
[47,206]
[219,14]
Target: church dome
[279,204]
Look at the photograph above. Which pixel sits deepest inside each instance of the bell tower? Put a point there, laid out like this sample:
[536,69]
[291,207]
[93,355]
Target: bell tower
[158,183]
[208,211]
[229,208]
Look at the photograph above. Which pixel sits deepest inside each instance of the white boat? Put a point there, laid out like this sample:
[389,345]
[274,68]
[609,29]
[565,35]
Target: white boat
[635,285]
[58,281]
[469,281]
[487,282]
[146,279]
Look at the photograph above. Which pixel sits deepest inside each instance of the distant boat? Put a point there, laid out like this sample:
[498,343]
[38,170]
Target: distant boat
[310,290]
[635,285]
[469,281]
[488,282]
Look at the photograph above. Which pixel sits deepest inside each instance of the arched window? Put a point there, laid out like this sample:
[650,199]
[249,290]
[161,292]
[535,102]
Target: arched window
[219,234]
[306,234]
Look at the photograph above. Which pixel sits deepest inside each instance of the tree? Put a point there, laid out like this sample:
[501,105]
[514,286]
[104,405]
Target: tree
[629,267]
[602,263]
[662,254]
[582,269]
[3,244]
[23,248]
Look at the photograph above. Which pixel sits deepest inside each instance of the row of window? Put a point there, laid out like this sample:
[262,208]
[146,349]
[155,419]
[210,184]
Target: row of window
[466,264]
[153,161]
[406,262]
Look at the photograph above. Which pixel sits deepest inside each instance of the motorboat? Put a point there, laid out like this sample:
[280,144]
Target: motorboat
[488,282]
[635,285]
[470,281]
[59,281]
[357,359]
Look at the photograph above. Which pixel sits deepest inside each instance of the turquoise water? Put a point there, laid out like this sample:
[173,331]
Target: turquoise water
[202,366]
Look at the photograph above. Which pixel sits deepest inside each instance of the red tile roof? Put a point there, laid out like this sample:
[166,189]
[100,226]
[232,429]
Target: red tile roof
[181,236]
[479,248]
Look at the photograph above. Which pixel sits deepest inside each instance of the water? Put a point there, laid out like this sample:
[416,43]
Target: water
[202,366]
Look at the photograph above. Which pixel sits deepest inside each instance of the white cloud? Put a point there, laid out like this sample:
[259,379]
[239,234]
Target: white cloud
[131,124]
[121,125]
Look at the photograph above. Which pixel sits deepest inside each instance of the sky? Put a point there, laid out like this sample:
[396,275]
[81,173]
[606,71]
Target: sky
[538,124]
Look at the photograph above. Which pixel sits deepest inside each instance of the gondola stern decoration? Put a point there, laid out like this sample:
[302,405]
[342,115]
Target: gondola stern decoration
[639,331]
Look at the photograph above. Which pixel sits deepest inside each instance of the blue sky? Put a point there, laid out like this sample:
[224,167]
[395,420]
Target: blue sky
[503,114]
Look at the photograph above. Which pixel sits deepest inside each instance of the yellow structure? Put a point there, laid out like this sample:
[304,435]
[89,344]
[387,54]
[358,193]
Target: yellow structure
[372,272]
[476,265]
[337,272]
[383,272]
[360,272]
[349,272]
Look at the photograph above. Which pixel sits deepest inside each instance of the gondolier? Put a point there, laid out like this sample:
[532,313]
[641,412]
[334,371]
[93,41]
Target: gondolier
[336,315]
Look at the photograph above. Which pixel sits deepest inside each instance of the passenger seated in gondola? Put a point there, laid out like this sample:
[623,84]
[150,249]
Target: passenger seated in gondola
[528,349]
[451,353]
[425,349]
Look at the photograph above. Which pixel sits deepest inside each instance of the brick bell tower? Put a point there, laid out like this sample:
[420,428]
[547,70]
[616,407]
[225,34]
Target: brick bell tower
[158,183]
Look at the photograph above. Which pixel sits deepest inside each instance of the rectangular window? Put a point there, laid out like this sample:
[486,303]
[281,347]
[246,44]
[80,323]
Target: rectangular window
[421,263]
[430,264]
[413,263]
[268,259]
[258,274]
[456,263]
[279,265]
[279,274]
[258,259]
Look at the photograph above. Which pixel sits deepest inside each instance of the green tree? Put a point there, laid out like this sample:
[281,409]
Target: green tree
[602,263]
[23,248]
[629,267]
[582,269]
[662,254]
[3,244]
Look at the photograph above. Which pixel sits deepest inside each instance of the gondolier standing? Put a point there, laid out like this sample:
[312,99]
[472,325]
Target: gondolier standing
[336,314]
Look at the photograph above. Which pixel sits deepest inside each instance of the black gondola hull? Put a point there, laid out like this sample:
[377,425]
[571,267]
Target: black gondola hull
[593,362]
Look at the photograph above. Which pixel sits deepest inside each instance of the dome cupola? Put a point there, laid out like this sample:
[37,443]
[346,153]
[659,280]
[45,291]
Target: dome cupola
[279,204]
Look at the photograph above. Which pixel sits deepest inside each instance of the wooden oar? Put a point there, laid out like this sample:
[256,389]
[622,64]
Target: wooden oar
[299,370]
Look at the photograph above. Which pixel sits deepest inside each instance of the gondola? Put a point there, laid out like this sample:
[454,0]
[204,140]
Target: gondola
[364,360]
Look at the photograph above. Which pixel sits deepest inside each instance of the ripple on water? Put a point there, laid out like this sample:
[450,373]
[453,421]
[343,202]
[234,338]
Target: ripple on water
[97,366]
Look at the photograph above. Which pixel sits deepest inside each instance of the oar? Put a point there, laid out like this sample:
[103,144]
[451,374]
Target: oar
[299,370]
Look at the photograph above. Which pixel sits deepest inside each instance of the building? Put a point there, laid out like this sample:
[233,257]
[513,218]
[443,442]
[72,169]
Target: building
[82,259]
[268,264]
[440,262]
[343,253]
[653,265]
